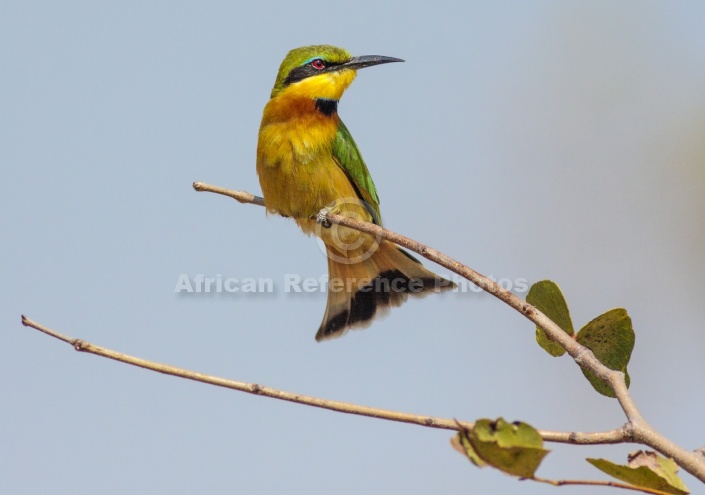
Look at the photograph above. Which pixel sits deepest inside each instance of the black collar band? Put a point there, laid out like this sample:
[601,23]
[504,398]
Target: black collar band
[326,107]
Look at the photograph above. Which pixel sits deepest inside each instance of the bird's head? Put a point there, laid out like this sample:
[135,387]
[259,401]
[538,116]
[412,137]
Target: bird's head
[321,71]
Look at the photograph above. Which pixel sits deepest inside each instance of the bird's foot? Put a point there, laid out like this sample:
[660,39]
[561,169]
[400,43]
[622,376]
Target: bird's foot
[322,217]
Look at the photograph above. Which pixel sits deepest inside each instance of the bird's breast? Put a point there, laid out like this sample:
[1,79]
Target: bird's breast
[295,164]
[294,131]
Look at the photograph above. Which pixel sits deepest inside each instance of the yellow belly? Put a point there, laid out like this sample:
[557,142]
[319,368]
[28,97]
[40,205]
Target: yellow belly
[301,186]
[297,172]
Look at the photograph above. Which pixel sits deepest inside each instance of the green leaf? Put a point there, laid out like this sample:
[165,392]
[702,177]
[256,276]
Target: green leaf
[610,337]
[547,297]
[514,448]
[461,443]
[646,470]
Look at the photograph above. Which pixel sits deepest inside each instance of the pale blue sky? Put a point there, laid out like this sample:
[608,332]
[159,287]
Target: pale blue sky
[530,140]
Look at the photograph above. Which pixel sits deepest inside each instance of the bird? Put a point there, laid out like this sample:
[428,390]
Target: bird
[307,161]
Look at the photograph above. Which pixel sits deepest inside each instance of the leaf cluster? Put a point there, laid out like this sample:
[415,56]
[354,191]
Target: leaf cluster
[517,448]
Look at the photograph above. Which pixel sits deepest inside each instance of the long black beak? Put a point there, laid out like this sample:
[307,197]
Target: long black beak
[367,61]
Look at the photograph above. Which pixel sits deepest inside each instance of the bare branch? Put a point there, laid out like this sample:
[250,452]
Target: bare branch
[613,484]
[636,429]
[613,436]
[241,196]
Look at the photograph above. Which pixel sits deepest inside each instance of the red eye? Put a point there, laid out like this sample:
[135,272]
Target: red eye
[318,64]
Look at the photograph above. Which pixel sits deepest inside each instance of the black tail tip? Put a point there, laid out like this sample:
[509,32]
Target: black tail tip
[389,289]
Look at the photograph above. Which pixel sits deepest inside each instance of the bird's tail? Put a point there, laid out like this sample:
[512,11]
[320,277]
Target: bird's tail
[360,289]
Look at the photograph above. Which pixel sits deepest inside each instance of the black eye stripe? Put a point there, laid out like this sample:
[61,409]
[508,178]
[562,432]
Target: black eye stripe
[302,72]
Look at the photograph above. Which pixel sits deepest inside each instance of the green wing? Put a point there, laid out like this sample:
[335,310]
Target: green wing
[348,156]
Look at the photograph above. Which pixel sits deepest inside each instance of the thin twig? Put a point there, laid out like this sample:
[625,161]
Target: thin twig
[636,430]
[241,196]
[613,436]
[613,484]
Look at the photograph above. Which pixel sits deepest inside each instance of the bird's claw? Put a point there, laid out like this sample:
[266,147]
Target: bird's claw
[322,217]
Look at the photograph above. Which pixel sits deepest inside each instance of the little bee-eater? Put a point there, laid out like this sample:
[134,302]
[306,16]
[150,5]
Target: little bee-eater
[306,161]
